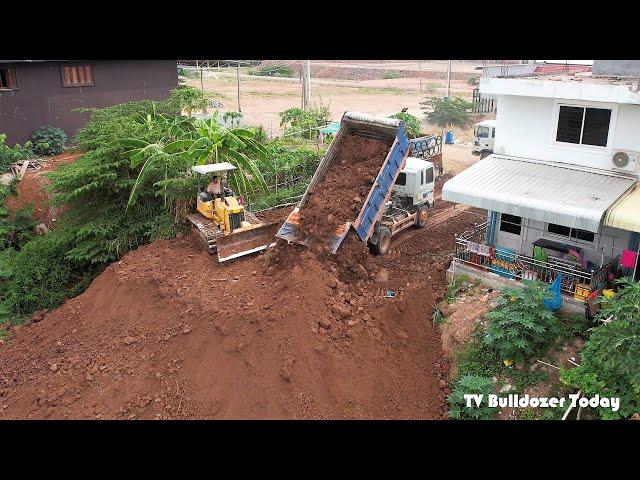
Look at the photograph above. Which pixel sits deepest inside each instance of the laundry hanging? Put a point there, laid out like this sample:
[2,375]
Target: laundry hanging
[628,259]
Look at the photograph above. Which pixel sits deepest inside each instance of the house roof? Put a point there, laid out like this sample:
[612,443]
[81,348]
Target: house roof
[543,191]
[624,213]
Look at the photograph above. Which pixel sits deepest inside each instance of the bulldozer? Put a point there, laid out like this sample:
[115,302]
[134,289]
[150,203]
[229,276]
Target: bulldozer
[222,223]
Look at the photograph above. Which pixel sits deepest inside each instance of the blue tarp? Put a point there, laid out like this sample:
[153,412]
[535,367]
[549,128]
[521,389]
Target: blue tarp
[331,129]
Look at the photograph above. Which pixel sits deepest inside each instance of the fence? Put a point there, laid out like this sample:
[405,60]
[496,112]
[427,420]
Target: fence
[512,265]
[426,147]
[483,105]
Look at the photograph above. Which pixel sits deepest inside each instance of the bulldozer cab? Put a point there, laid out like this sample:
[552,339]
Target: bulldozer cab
[212,170]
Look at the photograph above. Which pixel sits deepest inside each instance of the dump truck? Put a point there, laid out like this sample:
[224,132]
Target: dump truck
[484,138]
[391,205]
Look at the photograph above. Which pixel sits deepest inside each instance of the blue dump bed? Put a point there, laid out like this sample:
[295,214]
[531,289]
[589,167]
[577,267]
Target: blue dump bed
[366,126]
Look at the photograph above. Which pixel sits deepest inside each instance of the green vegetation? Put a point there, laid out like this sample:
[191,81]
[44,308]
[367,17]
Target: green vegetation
[48,140]
[521,326]
[305,123]
[10,155]
[391,74]
[232,117]
[188,99]
[610,360]
[276,70]
[459,284]
[445,113]
[473,80]
[412,124]
[470,385]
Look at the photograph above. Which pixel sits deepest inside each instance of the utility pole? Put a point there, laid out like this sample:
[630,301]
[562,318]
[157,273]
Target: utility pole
[420,69]
[201,82]
[448,79]
[306,84]
[238,82]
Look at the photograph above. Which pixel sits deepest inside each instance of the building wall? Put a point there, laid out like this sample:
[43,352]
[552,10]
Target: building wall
[42,100]
[526,127]
[607,243]
[616,67]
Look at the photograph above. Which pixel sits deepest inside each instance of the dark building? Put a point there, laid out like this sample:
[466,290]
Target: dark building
[34,93]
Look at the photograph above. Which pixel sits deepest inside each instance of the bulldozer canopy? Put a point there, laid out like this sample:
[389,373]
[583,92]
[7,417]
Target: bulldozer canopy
[212,168]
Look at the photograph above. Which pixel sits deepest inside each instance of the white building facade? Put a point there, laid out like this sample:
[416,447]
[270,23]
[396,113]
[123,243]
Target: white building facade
[561,187]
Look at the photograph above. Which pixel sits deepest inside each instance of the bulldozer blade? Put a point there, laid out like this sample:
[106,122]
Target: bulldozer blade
[242,243]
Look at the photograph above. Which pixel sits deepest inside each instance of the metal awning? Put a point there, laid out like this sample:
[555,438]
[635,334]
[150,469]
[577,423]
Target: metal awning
[213,168]
[543,191]
[625,213]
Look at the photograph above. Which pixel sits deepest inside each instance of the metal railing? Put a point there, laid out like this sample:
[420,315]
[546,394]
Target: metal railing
[510,264]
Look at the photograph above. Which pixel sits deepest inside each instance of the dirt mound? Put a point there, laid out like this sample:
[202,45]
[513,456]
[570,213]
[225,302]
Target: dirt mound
[167,332]
[339,196]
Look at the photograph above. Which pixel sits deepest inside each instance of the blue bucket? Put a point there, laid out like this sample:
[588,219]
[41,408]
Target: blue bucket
[448,138]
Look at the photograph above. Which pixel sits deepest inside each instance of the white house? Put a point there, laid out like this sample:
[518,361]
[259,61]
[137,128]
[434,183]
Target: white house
[561,187]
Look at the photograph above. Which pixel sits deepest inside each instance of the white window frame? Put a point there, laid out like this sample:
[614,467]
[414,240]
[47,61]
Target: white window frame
[579,146]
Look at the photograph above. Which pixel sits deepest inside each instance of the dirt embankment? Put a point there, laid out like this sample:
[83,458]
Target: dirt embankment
[32,189]
[167,332]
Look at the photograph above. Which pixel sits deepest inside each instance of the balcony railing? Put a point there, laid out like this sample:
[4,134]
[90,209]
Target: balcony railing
[470,248]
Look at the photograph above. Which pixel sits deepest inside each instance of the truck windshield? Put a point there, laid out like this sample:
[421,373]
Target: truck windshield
[402,179]
[483,132]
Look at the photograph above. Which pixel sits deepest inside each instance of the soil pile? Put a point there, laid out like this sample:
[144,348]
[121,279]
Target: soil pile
[339,196]
[167,332]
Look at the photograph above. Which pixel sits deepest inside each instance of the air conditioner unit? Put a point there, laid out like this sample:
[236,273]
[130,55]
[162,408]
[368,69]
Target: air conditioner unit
[624,160]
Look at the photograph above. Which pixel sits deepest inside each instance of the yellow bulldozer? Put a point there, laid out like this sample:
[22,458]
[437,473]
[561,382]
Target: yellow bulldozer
[222,223]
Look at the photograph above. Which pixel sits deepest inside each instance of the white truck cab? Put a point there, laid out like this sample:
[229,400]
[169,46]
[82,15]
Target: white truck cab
[416,181]
[484,137]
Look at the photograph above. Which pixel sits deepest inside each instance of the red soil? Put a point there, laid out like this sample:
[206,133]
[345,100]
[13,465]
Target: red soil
[32,190]
[169,333]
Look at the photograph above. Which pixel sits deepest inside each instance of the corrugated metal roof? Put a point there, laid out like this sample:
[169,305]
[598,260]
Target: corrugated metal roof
[625,213]
[538,190]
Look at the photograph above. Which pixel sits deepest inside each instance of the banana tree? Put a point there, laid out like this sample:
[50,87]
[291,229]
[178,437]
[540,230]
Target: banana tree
[188,142]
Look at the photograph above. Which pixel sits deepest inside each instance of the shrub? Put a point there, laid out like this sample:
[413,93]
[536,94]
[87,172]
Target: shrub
[473,80]
[459,284]
[10,155]
[610,359]
[276,70]
[48,140]
[391,74]
[445,113]
[412,124]
[305,123]
[470,385]
[187,99]
[521,325]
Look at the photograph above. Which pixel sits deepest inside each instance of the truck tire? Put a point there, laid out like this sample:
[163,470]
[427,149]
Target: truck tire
[383,242]
[422,215]
[484,154]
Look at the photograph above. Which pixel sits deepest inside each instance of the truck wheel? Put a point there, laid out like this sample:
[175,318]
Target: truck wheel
[422,215]
[484,154]
[384,242]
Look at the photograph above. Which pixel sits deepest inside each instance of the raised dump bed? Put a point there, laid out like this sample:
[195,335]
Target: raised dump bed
[352,184]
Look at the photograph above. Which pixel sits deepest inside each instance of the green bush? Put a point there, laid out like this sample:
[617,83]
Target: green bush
[276,70]
[471,385]
[48,140]
[37,277]
[188,99]
[305,123]
[412,124]
[473,80]
[610,359]
[450,112]
[10,155]
[391,74]
[521,326]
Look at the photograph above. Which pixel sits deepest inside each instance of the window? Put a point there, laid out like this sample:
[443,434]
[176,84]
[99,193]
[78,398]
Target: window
[493,133]
[8,79]
[77,76]
[483,132]
[571,232]
[402,179]
[421,177]
[583,125]
[429,178]
[510,224]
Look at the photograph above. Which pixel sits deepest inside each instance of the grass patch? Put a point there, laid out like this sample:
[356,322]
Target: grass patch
[458,285]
